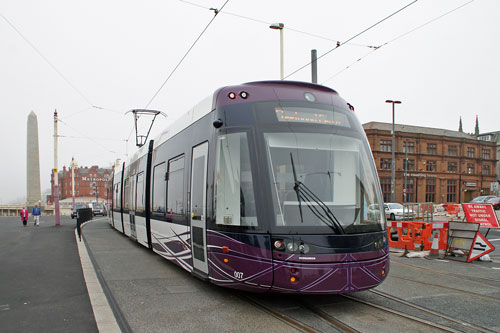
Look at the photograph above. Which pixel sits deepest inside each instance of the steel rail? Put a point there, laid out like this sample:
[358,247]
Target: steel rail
[434,313]
[449,288]
[467,277]
[401,314]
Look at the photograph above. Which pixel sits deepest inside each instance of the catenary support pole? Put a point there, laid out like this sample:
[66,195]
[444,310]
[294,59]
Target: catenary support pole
[56,175]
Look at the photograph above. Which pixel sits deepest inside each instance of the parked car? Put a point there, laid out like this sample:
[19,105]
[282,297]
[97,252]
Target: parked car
[99,209]
[76,207]
[394,211]
[495,202]
[482,199]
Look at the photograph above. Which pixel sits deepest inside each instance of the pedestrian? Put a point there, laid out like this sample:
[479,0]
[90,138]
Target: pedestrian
[24,216]
[36,212]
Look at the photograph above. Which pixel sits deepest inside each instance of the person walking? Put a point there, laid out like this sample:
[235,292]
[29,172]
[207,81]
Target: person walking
[36,212]
[24,216]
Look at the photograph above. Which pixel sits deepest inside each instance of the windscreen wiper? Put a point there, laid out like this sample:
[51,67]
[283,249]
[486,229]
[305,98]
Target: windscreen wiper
[296,188]
[304,193]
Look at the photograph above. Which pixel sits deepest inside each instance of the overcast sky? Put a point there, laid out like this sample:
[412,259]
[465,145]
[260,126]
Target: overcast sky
[115,55]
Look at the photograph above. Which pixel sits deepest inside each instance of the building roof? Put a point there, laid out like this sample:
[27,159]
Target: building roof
[417,130]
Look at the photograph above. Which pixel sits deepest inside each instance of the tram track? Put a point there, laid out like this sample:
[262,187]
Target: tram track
[458,275]
[452,325]
[426,283]
[300,325]
[461,323]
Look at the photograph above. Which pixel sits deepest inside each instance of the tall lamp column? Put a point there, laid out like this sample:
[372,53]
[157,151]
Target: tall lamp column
[393,149]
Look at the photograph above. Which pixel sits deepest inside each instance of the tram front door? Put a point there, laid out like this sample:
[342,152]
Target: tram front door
[198,207]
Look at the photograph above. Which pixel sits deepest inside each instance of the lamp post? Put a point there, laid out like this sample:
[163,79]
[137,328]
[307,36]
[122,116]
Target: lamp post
[393,148]
[280,26]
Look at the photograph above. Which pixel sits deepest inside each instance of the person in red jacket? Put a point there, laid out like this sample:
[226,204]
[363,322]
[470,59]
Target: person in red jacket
[24,216]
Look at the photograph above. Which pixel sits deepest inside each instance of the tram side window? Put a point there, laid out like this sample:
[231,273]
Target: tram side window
[158,207]
[175,190]
[139,198]
[116,199]
[126,195]
[235,200]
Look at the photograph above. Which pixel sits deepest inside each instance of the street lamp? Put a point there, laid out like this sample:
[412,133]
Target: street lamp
[280,26]
[393,148]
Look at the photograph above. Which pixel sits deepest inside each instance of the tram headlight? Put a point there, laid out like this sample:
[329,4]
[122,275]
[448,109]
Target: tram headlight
[304,248]
[292,247]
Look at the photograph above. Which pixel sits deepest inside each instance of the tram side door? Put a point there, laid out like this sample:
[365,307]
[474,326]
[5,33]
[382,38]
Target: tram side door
[198,198]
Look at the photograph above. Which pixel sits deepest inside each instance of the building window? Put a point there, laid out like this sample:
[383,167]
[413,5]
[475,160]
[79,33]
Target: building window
[409,147]
[431,149]
[452,151]
[470,168]
[430,190]
[385,145]
[431,165]
[410,190]
[452,166]
[385,163]
[486,154]
[470,152]
[452,191]
[409,165]
[486,170]
[385,183]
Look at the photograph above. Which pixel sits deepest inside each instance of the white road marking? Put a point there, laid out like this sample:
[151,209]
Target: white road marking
[4,307]
[494,240]
[495,268]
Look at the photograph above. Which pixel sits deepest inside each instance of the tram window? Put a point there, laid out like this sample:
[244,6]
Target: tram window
[158,207]
[334,173]
[139,199]
[175,190]
[126,199]
[116,201]
[235,200]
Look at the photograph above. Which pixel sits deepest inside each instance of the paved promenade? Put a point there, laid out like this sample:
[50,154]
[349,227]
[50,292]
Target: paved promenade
[41,283]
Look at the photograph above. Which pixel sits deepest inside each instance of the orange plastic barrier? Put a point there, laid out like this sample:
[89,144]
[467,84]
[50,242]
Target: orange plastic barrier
[412,235]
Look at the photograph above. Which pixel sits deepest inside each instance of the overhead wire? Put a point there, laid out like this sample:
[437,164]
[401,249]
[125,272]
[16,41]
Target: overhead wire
[351,38]
[216,12]
[46,60]
[87,137]
[396,38]
[268,23]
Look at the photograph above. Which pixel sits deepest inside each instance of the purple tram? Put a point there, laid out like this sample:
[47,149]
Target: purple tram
[266,187]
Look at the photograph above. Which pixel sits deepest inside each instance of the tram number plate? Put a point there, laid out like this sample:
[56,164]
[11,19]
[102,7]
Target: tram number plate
[238,275]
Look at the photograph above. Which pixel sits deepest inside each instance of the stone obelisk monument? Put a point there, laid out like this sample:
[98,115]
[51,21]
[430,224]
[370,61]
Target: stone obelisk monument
[34,193]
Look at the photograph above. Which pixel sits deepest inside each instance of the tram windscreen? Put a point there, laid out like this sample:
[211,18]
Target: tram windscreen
[323,183]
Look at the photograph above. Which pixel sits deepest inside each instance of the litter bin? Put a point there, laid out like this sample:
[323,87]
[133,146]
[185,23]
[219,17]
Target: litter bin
[82,215]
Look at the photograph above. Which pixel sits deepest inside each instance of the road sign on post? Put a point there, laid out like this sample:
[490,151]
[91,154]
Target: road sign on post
[481,213]
[480,247]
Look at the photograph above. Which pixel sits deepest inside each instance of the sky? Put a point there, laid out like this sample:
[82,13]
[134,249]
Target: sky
[93,61]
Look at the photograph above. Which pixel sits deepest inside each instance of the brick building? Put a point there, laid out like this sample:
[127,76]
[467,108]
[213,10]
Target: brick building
[442,166]
[86,179]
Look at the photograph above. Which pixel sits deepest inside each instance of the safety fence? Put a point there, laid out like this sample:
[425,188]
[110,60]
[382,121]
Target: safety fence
[415,235]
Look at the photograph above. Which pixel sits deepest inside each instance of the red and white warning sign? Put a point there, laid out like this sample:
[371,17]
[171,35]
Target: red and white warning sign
[480,247]
[481,213]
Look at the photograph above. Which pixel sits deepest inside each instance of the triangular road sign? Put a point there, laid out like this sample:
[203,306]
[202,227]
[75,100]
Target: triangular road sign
[480,247]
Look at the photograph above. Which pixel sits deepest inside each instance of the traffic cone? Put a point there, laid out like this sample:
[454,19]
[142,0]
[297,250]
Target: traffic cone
[434,254]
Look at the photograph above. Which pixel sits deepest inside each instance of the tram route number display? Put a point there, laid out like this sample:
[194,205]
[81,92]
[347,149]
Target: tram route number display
[481,213]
